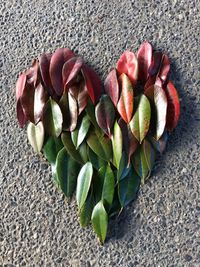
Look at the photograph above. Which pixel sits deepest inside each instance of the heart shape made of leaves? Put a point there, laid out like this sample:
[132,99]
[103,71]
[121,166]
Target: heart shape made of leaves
[100,142]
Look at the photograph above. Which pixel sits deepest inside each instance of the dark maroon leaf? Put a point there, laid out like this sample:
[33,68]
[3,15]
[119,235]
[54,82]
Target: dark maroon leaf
[58,59]
[20,84]
[155,64]
[44,63]
[164,69]
[32,73]
[20,114]
[79,92]
[70,70]
[27,102]
[144,56]
[128,64]
[112,87]
[92,82]
[40,99]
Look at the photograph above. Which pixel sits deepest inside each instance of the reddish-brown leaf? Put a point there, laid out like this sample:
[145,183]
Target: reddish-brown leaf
[164,69]
[58,59]
[79,92]
[20,84]
[44,63]
[27,102]
[20,114]
[144,56]
[70,70]
[173,106]
[125,103]
[155,63]
[92,83]
[32,73]
[128,64]
[112,87]
[130,143]
[40,98]
[153,80]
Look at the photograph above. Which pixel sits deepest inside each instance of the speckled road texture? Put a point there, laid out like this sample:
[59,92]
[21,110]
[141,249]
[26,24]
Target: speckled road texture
[38,227]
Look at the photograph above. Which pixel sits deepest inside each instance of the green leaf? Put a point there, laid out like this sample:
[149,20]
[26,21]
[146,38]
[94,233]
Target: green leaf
[83,152]
[79,134]
[83,184]
[53,118]
[90,110]
[67,171]
[105,114]
[96,161]
[36,136]
[159,105]
[69,146]
[116,206]
[51,148]
[100,221]
[143,160]
[123,167]
[117,144]
[100,145]
[140,122]
[86,211]
[128,188]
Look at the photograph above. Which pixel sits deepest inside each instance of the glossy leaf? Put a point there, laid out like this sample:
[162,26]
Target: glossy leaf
[92,83]
[159,102]
[58,59]
[155,63]
[70,70]
[86,211]
[83,184]
[79,134]
[100,221]
[51,148]
[100,145]
[128,65]
[144,56]
[140,122]
[153,80]
[143,160]
[53,118]
[128,188]
[83,151]
[20,85]
[112,87]
[90,110]
[27,102]
[69,108]
[173,106]
[159,145]
[105,114]
[124,167]
[40,98]
[117,144]
[66,171]
[164,69]
[96,161]
[125,103]
[32,74]
[36,136]
[69,146]
[21,117]
[79,92]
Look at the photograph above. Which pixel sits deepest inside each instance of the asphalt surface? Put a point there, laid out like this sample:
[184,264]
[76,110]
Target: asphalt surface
[38,227]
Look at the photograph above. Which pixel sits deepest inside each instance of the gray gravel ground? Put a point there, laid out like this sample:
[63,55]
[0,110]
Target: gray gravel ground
[38,227]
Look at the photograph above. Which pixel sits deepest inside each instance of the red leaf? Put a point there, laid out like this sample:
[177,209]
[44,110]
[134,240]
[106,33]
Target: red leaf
[128,64]
[27,102]
[92,82]
[130,143]
[112,87]
[155,64]
[20,84]
[32,73]
[70,70]
[20,114]
[58,59]
[40,98]
[164,69]
[144,56]
[173,107]
[125,103]
[44,63]
[79,92]
[153,80]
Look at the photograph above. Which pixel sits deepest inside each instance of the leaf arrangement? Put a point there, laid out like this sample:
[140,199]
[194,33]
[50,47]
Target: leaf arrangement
[100,143]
